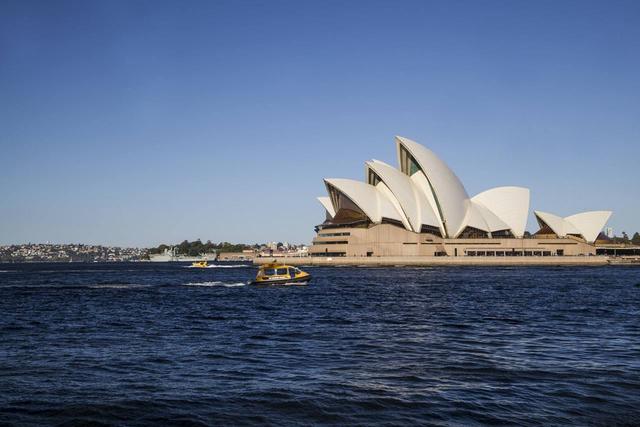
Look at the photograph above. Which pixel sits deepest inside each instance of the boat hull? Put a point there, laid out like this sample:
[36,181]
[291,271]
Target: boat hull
[283,282]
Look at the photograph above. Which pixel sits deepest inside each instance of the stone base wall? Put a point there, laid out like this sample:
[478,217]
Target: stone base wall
[425,261]
[388,240]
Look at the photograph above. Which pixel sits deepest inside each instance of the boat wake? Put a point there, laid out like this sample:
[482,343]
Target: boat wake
[230,266]
[220,266]
[282,284]
[294,284]
[61,271]
[216,283]
[118,286]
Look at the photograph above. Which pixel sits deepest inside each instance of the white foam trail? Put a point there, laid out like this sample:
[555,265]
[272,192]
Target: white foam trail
[62,271]
[118,286]
[294,284]
[283,284]
[220,266]
[212,284]
[230,266]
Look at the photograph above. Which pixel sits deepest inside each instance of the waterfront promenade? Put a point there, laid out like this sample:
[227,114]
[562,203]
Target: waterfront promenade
[437,261]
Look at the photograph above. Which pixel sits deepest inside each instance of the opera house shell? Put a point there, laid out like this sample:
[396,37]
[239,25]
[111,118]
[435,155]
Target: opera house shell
[422,208]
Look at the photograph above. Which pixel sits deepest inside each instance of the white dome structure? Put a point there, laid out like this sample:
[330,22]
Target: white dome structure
[590,223]
[510,204]
[585,224]
[414,205]
[482,219]
[361,198]
[450,196]
[326,203]
[423,195]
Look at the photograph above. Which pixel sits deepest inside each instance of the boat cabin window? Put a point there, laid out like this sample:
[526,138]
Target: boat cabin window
[269,271]
[281,271]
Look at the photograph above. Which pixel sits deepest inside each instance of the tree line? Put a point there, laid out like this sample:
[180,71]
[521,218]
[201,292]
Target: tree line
[626,240]
[196,247]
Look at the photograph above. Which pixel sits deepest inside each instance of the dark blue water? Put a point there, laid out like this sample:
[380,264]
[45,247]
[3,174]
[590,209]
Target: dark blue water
[150,344]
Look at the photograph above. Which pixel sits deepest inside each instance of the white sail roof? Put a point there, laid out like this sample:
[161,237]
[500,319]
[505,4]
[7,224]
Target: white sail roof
[412,201]
[589,223]
[450,195]
[425,192]
[510,204]
[483,219]
[474,219]
[421,183]
[494,223]
[586,224]
[382,188]
[326,202]
[373,202]
[556,223]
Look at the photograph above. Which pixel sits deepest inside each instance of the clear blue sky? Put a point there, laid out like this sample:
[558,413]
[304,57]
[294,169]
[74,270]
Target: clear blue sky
[135,123]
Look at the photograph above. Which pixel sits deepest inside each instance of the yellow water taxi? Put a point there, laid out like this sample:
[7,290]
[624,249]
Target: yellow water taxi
[280,274]
[200,264]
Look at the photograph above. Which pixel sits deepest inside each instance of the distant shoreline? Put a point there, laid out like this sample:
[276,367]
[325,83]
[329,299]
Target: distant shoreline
[414,261]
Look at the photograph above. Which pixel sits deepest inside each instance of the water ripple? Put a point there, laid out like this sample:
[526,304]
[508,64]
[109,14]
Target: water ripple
[149,344]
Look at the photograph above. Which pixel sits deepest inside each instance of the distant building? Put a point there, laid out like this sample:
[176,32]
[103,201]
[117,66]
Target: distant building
[608,232]
[422,208]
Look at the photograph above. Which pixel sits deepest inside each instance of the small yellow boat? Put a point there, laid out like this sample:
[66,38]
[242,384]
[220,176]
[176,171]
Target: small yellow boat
[280,274]
[200,264]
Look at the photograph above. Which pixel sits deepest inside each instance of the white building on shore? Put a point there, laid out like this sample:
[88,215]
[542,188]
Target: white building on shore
[422,208]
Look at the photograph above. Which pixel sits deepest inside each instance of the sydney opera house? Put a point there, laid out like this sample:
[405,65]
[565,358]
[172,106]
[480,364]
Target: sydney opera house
[421,208]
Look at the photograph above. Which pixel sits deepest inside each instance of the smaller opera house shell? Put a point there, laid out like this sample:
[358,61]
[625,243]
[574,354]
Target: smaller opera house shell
[422,208]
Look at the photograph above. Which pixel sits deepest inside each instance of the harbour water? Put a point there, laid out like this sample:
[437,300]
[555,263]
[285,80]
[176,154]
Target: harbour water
[149,344]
